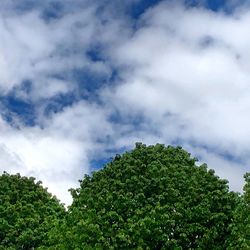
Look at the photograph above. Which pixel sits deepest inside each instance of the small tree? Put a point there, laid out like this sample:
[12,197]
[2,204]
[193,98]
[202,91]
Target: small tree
[154,197]
[27,213]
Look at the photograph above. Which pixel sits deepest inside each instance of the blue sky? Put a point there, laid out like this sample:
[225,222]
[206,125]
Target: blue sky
[81,81]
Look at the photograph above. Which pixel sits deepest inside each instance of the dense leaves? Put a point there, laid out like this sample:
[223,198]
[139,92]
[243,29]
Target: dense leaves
[240,227]
[27,213]
[153,197]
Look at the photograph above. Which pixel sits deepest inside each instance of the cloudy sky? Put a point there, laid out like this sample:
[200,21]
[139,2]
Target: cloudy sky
[83,80]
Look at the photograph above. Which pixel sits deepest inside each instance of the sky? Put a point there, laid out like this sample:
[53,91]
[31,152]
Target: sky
[81,81]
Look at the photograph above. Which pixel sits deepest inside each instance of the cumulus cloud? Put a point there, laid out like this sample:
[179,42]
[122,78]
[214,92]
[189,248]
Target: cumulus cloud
[33,48]
[187,72]
[45,52]
[58,152]
[176,75]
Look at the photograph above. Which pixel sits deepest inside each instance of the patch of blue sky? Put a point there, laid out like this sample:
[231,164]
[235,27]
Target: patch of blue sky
[58,102]
[215,5]
[136,9]
[95,54]
[88,82]
[109,154]
[226,6]
[98,164]
[14,107]
[55,9]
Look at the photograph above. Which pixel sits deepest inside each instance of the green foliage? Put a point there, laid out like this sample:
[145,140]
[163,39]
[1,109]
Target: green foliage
[27,213]
[153,197]
[240,227]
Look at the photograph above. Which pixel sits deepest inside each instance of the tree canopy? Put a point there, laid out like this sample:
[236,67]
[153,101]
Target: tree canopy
[27,213]
[154,197]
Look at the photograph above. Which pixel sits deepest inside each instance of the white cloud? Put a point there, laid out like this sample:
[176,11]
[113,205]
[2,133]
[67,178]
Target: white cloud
[58,153]
[187,72]
[183,76]
[35,49]
[57,150]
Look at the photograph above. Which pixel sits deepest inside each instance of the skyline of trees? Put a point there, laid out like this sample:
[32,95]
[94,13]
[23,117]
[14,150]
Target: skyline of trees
[152,197]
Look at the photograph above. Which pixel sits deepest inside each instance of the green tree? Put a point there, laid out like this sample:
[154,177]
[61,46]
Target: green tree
[240,226]
[27,213]
[154,197]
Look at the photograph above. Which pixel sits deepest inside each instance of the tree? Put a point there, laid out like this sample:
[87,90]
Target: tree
[240,226]
[154,197]
[27,213]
